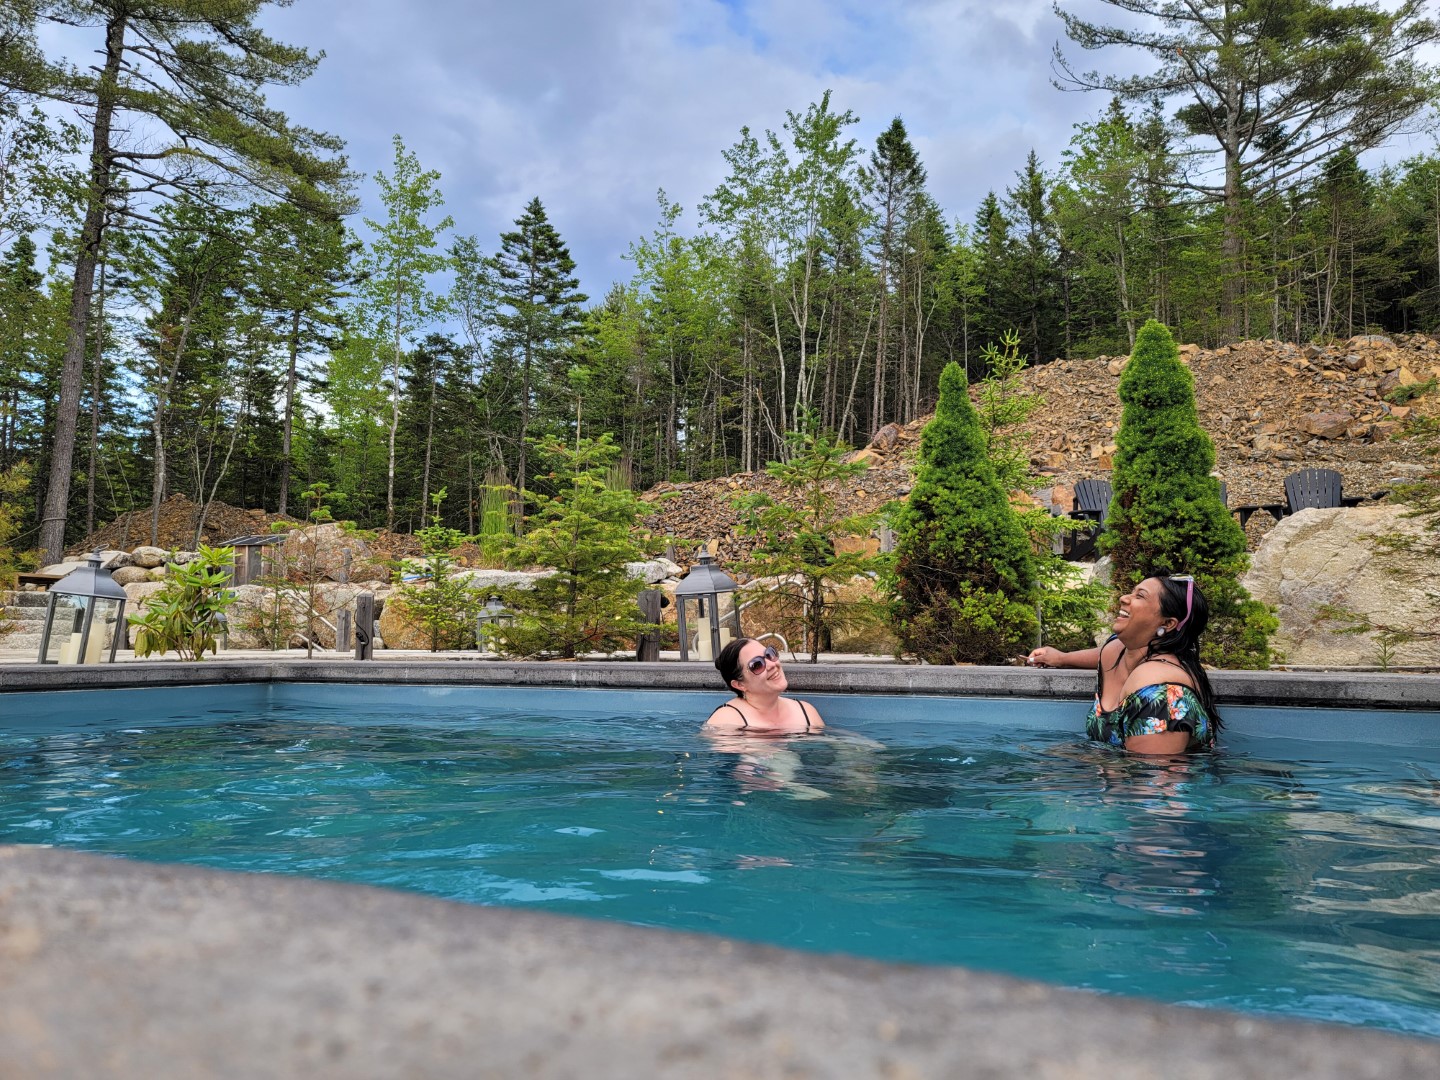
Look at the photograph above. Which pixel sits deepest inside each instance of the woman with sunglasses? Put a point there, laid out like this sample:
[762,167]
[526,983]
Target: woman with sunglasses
[753,671]
[1151,693]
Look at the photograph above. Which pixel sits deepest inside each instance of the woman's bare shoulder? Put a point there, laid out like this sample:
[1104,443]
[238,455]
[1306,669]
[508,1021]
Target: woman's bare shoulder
[726,717]
[1157,673]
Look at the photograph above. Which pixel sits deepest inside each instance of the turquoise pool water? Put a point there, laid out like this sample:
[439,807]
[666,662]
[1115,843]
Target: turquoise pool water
[1298,876]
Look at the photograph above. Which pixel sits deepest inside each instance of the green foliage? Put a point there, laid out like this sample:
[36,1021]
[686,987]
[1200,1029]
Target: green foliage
[1166,514]
[1403,394]
[13,481]
[184,615]
[964,579]
[1071,610]
[445,606]
[796,557]
[586,532]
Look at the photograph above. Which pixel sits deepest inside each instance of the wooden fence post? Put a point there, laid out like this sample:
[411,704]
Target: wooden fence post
[648,644]
[342,630]
[365,626]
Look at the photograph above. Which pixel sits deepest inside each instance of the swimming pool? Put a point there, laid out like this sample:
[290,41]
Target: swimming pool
[1286,875]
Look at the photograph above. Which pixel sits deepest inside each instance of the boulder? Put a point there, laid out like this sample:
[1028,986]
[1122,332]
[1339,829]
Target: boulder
[137,594]
[887,438]
[332,553]
[1326,425]
[400,630]
[653,571]
[130,575]
[148,556]
[1401,376]
[1330,557]
[260,616]
[493,581]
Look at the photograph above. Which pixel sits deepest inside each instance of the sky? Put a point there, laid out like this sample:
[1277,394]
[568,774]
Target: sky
[594,105]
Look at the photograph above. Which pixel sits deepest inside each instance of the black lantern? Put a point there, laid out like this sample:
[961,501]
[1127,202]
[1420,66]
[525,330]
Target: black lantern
[706,596]
[492,616]
[84,619]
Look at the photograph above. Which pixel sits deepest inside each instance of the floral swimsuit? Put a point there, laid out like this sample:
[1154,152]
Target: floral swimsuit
[1152,710]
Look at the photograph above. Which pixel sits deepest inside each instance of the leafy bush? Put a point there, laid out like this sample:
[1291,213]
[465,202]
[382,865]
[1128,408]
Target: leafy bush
[184,616]
[964,580]
[1166,513]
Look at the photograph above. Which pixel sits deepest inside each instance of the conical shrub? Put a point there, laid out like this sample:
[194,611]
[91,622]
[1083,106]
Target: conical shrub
[964,576]
[1166,513]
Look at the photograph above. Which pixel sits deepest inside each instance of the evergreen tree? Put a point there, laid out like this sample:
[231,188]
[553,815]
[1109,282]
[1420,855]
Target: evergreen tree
[585,531]
[540,316]
[1166,513]
[964,579]
[1274,87]
[796,552]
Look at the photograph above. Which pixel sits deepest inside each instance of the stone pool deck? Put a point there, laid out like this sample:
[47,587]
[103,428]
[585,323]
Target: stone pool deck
[119,968]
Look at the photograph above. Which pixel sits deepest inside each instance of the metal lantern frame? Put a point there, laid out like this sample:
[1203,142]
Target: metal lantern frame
[90,589]
[494,613]
[717,616]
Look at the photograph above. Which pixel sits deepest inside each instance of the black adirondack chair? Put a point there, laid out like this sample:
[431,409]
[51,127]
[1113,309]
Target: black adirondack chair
[1312,488]
[1092,504]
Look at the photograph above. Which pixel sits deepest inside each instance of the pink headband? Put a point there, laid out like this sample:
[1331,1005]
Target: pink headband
[1189,598]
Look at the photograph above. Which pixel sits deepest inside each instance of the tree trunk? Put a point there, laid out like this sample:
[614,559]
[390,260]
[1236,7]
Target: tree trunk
[72,371]
[96,385]
[394,418]
[288,428]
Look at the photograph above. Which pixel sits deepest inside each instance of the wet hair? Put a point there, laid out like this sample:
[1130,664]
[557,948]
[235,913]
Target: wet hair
[1182,600]
[728,663]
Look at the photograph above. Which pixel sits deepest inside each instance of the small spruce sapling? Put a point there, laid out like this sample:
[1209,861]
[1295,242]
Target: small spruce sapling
[796,555]
[445,605]
[586,533]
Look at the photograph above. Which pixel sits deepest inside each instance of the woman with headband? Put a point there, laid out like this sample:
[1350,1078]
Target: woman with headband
[753,671]
[1151,694]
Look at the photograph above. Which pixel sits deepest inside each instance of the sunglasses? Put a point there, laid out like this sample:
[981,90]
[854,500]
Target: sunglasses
[756,664]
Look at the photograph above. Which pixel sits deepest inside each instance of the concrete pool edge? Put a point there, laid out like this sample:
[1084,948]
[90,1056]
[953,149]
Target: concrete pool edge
[1359,690]
[122,968]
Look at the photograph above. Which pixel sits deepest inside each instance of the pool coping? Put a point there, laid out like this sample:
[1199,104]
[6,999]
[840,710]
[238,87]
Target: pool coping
[1337,689]
[120,968]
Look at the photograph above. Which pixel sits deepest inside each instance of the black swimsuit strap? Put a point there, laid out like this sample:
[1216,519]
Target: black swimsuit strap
[743,722]
[806,715]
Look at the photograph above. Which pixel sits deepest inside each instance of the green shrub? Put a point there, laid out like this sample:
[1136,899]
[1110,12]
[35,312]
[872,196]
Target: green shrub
[1166,513]
[586,532]
[184,616]
[964,581]
[796,554]
[445,606]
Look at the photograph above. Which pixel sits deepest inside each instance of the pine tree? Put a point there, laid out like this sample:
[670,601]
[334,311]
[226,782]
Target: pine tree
[964,579]
[541,311]
[1274,89]
[175,97]
[796,551]
[1166,514]
[586,533]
